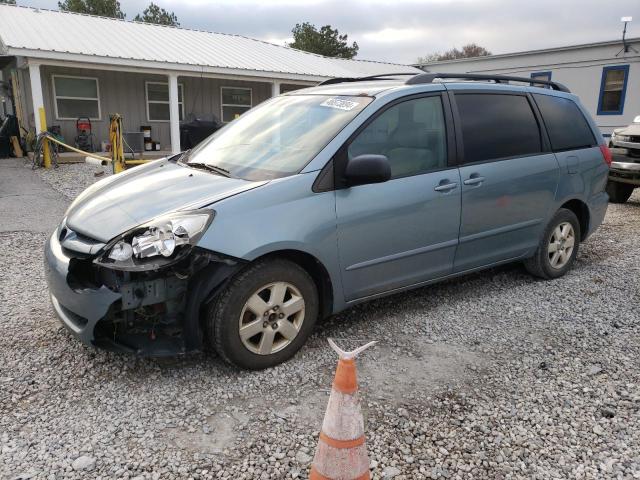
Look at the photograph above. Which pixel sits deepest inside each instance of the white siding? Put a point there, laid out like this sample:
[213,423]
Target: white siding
[579,68]
[124,93]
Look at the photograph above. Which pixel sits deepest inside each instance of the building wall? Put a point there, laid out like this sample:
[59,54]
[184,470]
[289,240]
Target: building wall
[579,69]
[119,92]
[203,95]
[124,93]
[290,87]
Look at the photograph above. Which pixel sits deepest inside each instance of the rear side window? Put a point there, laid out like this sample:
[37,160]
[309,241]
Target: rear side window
[567,127]
[497,126]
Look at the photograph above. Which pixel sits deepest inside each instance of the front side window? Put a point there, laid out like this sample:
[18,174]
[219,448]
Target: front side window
[410,134]
[158,101]
[235,101]
[76,97]
[612,90]
[278,137]
[566,125]
[497,126]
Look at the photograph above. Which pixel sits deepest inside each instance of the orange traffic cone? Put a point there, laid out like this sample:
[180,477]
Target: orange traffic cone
[341,452]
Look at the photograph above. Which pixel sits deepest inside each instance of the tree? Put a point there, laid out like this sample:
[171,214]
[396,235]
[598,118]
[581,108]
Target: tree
[327,41]
[467,51]
[154,14]
[10,2]
[103,8]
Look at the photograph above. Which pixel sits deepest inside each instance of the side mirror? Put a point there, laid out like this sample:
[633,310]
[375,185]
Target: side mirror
[366,169]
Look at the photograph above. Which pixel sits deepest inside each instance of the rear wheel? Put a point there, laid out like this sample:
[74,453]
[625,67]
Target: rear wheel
[558,247]
[264,315]
[619,192]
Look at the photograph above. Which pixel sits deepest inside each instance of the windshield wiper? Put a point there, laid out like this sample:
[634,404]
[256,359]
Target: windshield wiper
[212,168]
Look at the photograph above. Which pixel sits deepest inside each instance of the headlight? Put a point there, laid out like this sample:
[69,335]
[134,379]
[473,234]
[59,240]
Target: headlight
[167,238]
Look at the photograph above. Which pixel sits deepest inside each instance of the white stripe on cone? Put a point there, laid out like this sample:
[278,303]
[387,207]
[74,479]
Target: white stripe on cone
[341,463]
[343,419]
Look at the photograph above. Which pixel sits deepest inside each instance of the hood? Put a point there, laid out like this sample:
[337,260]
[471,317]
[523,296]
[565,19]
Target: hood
[123,201]
[633,129]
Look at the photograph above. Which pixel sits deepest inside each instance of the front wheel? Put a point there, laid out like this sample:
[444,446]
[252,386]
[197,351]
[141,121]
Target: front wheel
[264,315]
[558,247]
[619,192]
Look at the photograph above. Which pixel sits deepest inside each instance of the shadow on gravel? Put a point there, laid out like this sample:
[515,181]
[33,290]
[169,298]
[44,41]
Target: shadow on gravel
[393,320]
[370,319]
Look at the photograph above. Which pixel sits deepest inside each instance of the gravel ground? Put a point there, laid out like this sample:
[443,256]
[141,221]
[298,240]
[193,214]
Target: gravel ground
[72,178]
[495,375]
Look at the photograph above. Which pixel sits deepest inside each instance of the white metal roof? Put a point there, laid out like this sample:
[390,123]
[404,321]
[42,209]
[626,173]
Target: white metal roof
[49,34]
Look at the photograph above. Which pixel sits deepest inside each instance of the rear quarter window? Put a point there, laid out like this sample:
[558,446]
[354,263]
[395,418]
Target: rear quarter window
[497,126]
[565,122]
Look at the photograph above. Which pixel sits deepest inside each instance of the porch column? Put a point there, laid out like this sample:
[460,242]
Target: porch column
[36,93]
[174,115]
[275,88]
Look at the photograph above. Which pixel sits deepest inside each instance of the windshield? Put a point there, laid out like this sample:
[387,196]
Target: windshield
[279,137]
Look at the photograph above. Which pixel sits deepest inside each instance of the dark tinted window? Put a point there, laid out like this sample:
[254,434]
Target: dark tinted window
[497,126]
[567,127]
[411,134]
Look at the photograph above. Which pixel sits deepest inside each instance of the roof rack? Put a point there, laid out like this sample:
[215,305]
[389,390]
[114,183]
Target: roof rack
[382,76]
[430,77]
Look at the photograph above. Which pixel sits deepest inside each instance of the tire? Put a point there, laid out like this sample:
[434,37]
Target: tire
[262,282]
[542,263]
[619,192]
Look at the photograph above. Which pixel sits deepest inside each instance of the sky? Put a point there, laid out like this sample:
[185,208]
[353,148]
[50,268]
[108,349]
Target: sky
[402,30]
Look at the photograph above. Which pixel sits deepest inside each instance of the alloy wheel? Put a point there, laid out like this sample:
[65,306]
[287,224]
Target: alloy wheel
[271,318]
[561,245]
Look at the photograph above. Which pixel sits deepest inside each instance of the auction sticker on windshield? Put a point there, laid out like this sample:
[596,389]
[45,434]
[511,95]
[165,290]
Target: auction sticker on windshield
[339,104]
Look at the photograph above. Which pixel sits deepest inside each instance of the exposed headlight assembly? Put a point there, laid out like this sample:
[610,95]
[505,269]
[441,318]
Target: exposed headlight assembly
[160,242]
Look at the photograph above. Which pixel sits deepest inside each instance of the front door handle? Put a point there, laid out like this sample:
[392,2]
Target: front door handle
[474,180]
[446,187]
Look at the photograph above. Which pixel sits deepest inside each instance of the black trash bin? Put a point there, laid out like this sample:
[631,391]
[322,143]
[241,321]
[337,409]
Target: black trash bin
[8,128]
[196,128]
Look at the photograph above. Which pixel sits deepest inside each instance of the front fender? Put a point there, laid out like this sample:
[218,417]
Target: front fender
[282,215]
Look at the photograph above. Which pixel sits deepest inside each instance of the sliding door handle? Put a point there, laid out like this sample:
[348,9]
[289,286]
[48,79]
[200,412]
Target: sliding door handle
[474,181]
[446,187]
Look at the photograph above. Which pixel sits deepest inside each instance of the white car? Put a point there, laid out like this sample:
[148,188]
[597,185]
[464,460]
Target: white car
[627,137]
[624,175]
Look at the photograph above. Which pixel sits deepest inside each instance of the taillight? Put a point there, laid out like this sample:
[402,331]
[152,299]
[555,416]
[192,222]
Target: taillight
[606,154]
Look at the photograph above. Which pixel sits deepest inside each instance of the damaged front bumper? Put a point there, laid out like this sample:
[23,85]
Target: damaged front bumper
[156,313]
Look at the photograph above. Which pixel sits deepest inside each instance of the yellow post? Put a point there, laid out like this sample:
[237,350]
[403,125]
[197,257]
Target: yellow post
[46,154]
[117,148]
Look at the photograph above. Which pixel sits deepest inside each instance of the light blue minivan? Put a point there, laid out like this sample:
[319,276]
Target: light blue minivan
[322,198]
